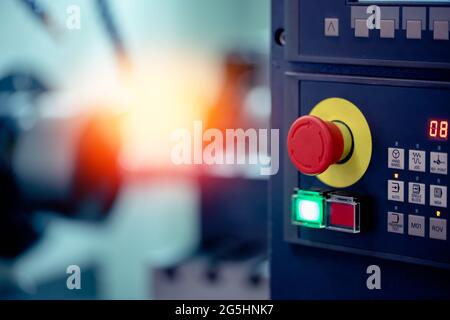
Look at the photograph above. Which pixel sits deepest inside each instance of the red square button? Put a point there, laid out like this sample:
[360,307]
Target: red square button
[342,215]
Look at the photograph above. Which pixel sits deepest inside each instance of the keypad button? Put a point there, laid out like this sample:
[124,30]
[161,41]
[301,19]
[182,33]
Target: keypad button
[396,190]
[438,196]
[396,158]
[416,193]
[361,30]
[331,27]
[417,160]
[396,222]
[441,30]
[438,162]
[416,226]
[387,30]
[438,229]
[414,29]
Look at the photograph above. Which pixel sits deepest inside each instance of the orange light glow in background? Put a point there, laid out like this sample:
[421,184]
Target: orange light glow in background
[156,95]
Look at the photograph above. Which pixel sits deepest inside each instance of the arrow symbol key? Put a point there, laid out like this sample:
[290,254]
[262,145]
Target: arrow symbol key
[331,27]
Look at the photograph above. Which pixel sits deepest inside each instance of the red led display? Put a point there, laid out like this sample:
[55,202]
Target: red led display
[438,129]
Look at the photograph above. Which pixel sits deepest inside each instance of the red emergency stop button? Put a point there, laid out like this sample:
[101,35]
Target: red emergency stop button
[314,144]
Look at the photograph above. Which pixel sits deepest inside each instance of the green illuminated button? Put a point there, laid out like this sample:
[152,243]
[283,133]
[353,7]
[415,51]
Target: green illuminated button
[308,209]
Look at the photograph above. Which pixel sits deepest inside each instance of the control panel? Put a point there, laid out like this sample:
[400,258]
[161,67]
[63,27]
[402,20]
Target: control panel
[361,93]
[367,179]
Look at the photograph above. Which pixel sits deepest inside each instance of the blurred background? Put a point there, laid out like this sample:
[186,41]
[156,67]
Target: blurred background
[86,117]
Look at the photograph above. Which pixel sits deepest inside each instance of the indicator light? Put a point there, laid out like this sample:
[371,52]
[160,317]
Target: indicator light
[396,175]
[343,213]
[308,209]
[438,129]
[438,213]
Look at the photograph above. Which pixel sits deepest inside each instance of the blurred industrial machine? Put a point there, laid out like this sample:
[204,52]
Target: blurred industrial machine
[64,165]
[93,185]
[68,166]
[361,92]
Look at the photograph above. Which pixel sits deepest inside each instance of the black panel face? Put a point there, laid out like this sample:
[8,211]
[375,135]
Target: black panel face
[399,118]
[410,33]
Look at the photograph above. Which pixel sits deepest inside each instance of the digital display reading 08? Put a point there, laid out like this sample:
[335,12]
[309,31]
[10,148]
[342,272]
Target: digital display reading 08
[438,129]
